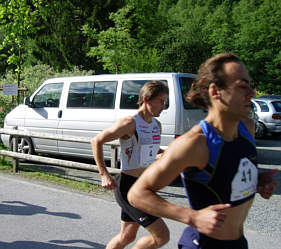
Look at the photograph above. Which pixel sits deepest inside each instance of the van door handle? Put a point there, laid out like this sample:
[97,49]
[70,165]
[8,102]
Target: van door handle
[59,113]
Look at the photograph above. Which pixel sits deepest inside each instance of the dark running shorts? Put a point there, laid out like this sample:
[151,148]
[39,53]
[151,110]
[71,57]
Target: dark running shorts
[192,239]
[130,213]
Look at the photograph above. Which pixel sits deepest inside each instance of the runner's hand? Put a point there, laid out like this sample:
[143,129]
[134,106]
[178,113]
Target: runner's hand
[108,182]
[266,184]
[210,220]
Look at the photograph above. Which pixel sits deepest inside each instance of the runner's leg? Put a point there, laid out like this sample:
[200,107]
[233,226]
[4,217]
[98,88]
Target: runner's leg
[158,236]
[126,236]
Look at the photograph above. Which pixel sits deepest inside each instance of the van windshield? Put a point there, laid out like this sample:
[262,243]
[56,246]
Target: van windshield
[185,84]
[48,96]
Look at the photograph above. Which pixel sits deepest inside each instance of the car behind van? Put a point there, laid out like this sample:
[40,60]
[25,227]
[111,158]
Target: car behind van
[84,106]
[268,110]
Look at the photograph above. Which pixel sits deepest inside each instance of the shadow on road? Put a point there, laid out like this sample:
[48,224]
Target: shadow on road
[23,208]
[269,151]
[269,141]
[54,244]
[270,157]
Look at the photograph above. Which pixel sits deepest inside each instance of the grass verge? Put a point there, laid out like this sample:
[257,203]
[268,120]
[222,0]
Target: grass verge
[52,178]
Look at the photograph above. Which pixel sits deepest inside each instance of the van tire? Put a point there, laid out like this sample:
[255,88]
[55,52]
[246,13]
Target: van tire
[25,145]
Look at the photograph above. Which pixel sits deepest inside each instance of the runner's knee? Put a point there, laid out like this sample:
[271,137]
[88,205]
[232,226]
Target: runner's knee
[162,239]
[128,237]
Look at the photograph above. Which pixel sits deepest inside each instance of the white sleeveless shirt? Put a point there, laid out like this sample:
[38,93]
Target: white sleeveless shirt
[140,150]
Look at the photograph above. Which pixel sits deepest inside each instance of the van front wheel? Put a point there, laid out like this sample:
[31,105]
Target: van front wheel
[25,145]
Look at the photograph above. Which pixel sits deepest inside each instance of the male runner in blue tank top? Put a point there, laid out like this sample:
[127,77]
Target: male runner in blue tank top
[217,160]
[139,137]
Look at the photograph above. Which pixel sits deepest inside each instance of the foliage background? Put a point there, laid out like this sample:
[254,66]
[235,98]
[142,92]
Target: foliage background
[40,39]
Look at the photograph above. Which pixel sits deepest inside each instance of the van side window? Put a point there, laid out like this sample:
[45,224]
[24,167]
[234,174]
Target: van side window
[92,94]
[80,94]
[130,93]
[104,95]
[185,84]
[48,96]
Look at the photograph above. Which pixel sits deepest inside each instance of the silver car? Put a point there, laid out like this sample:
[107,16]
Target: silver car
[268,109]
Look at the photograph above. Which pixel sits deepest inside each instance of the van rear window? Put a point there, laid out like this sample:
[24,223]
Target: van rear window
[100,95]
[130,93]
[185,84]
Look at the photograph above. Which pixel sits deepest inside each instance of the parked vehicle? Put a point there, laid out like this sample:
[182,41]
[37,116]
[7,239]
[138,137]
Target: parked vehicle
[268,110]
[84,106]
[271,96]
[255,118]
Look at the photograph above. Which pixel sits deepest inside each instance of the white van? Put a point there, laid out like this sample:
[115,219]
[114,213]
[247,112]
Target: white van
[85,105]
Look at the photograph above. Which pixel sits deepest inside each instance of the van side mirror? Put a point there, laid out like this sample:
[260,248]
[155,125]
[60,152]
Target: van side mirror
[28,102]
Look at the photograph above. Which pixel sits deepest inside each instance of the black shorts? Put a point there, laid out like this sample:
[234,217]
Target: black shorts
[130,213]
[192,239]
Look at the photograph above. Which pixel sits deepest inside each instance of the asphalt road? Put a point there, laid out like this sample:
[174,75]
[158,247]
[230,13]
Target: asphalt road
[40,216]
[37,216]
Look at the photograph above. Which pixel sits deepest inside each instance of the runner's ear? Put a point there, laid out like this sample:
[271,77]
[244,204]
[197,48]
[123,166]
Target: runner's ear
[145,100]
[214,91]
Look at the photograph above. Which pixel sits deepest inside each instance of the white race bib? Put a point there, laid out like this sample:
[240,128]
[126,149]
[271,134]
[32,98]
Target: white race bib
[245,181]
[148,153]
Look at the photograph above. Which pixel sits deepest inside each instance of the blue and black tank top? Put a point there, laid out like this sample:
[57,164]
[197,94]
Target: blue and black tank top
[230,175]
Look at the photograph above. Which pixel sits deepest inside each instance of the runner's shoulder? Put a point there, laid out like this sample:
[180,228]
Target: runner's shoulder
[191,139]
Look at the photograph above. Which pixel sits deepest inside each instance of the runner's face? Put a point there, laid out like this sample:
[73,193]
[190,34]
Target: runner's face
[236,97]
[157,104]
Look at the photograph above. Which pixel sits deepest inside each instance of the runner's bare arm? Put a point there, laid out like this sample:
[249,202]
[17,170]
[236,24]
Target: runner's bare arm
[186,151]
[123,128]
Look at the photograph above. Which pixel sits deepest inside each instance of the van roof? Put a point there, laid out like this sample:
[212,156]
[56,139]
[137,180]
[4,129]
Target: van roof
[121,76]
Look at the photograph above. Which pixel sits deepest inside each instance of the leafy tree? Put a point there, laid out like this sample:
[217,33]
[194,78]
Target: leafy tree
[250,29]
[141,35]
[114,43]
[258,41]
[124,47]
[147,21]
[145,60]
[220,28]
[17,19]
[3,55]
[183,47]
[61,43]
[51,31]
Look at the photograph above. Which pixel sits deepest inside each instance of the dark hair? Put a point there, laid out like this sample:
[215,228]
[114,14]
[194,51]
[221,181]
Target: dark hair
[209,72]
[152,89]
